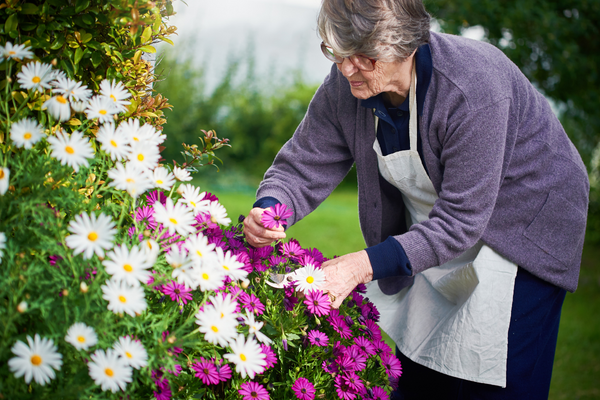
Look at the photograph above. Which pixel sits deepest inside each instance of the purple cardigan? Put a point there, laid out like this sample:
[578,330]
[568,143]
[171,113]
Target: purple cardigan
[501,163]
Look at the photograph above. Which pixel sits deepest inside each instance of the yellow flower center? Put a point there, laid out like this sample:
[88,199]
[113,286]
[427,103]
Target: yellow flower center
[127,267]
[109,372]
[129,180]
[136,139]
[214,329]
[112,96]
[193,204]
[70,150]
[173,221]
[122,299]
[205,276]
[1,173]
[149,244]
[222,315]
[93,236]
[102,112]
[140,157]
[243,357]
[128,354]
[61,100]
[159,182]
[36,360]
[80,339]
[199,253]
[12,53]
[27,136]
[36,79]
[225,267]
[113,143]
[310,279]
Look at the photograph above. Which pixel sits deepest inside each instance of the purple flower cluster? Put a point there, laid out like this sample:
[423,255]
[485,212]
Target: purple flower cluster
[211,372]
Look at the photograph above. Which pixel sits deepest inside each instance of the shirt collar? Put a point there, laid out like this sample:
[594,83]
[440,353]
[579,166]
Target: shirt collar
[424,66]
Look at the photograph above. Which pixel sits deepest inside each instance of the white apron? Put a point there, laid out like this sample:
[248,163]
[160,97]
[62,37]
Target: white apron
[454,319]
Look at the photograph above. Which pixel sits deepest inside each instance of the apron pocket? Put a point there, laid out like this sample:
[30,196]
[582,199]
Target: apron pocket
[457,285]
[557,216]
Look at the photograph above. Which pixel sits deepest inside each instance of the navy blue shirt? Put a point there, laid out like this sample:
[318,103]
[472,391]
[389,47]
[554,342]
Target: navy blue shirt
[389,258]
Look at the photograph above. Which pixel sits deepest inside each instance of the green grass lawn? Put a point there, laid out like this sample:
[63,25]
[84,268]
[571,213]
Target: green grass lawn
[334,229]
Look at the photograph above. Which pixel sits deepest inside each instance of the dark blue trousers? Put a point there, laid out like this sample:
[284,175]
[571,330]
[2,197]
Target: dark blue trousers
[531,345]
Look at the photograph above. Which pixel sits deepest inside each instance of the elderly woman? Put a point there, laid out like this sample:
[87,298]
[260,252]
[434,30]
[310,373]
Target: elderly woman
[472,199]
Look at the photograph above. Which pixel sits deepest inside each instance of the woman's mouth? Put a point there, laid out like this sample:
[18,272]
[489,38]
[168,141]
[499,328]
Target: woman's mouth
[356,83]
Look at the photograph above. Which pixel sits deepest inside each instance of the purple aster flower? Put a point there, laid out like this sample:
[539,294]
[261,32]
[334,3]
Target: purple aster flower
[378,393]
[177,371]
[303,389]
[163,390]
[146,214]
[54,259]
[223,371]
[361,288]
[365,346]
[177,292]
[317,302]
[235,244]
[270,358]
[210,197]
[392,365]
[206,371]
[276,216]
[318,338]
[153,197]
[340,327]
[381,347]
[285,345]
[338,349]
[372,329]
[292,249]
[394,382]
[316,255]
[253,391]
[345,363]
[252,303]
[354,382]
[343,389]
[358,298]
[274,261]
[329,367]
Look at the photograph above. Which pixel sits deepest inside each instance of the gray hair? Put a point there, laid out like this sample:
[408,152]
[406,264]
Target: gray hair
[389,30]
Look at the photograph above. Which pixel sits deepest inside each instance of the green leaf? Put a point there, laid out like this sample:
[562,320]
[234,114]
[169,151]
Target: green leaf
[81,5]
[67,67]
[11,23]
[58,42]
[88,19]
[28,26]
[148,49]
[29,8]
[164,39]
[86,37]
[96,58]
[147,34]
[78,55]
[68,11]
[40,30]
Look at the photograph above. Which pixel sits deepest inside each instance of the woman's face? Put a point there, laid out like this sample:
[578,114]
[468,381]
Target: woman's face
[392,78]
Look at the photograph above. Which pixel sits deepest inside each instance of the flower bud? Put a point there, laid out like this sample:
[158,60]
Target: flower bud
[180,190]
[245,284]
[22,307]
[65,292]
[171,339]
[147,233]
[266,380]
[83,287]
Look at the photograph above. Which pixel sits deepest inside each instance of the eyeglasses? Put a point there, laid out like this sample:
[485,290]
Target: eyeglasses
[363,63]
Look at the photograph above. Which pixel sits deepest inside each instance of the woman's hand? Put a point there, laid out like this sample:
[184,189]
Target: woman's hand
[256,234]
[342,274]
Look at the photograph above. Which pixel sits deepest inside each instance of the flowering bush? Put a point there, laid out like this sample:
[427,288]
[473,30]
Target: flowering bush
[119,279]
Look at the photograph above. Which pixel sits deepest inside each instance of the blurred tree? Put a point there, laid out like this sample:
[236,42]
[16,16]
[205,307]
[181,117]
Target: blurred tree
[554,42]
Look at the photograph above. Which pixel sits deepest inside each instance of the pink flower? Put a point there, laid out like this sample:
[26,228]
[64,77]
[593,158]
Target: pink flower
[354,382]
[365,345]
[224,372]
[155,196]
[146,214]
[392,365]
[343,390]
[317,302]
[274,217]
[177,292]
[318,338]
[206,371]
[252,303]
[253,390]
[340,326]
[292,249]
[303,389]
[270,358]
[378,393]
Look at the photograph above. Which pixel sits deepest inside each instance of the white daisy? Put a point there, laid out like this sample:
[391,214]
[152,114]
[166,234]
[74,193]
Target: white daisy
[16,52]
[81,336]
[183,269]
[102,108]
[109,370]
[181,174]
[309,278]
[73,150]
[128,266]
[37,361]
[79,106]
[199,248]
[4,180]
[208,277]
[231,266]
[175,217]
[130,129]
[123,298]
[70,89]
[216,330]
[143,156]
[91,235]
[191,196]
[58,106]
[2,244]
[247,356]
[225,305]
[35,76]
[150,135]
[151,250]
[162,178]
[132,351]
[117,146]
[26,132]
[116,93]
[218,213]
[254,327]
[130,178]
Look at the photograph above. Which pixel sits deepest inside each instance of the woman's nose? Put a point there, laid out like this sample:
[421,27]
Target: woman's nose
[347,67]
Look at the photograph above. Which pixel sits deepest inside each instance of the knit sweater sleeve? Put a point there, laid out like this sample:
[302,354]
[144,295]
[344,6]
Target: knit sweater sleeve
[314,161]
